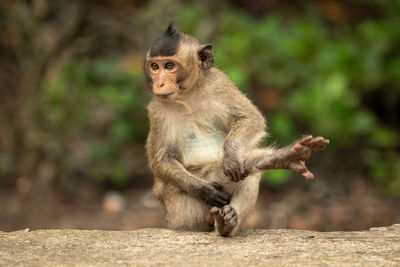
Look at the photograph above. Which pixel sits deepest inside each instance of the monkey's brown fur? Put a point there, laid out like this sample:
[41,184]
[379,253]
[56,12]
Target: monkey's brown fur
[203,144]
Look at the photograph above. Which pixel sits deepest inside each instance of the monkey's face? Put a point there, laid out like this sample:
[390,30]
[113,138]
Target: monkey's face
[164,74]
[174,62]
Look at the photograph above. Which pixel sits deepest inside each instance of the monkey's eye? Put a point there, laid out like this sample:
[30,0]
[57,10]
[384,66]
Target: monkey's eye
[154,66]
[169,65]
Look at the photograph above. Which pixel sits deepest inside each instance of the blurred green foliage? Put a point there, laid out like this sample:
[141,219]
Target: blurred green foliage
[308,75]
[103,102]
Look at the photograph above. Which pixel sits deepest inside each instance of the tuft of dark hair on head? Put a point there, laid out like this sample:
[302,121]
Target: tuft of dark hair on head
[167,43]
[172,29]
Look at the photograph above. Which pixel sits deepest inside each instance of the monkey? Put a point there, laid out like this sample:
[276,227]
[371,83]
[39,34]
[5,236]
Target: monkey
[204,139]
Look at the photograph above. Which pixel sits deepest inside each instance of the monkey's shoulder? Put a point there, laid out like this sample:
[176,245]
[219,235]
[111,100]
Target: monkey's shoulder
[226,90]
[221,82]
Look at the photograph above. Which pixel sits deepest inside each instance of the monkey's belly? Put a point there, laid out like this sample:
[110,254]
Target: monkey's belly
[199,147]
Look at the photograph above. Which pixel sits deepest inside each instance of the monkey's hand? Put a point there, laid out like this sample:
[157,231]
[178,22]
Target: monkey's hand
[294,156]
[212,194]
[234,167]
[226,219]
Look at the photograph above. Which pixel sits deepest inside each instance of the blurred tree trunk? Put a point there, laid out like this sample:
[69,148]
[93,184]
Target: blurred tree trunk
[31,43]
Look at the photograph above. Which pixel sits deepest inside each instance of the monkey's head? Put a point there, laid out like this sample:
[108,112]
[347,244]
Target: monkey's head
[174,63]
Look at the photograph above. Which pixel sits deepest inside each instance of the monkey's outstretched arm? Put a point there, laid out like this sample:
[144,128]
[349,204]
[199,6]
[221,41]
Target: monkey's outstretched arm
[292,157]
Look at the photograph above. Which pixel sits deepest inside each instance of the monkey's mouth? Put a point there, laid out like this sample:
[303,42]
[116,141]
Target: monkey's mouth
[165,96]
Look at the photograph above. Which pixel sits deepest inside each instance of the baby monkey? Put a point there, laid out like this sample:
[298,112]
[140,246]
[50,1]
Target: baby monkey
[203,146]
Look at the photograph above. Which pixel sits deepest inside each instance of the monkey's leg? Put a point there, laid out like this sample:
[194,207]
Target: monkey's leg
[184,212]
[292,157]
[230,218]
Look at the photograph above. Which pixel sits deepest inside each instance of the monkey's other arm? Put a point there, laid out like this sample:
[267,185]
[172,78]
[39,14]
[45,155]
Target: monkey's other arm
[241,155]
[246,130]
[291,157]
[164,165]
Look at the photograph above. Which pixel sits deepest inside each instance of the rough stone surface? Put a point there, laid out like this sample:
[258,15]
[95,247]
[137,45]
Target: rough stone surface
[162,247]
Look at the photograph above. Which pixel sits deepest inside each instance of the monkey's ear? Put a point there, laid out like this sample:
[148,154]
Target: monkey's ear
[206,56]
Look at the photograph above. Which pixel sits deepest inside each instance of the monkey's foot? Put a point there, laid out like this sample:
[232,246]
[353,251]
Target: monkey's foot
[294,156]
[226,219]
[210,222]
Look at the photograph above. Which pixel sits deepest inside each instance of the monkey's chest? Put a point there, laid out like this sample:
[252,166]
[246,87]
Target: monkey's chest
[200,146]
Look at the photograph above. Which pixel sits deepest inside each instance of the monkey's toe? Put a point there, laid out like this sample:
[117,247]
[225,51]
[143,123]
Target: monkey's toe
[230,216]
[226,219]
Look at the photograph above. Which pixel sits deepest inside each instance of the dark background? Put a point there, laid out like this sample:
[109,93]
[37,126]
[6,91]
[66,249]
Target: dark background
[73,97]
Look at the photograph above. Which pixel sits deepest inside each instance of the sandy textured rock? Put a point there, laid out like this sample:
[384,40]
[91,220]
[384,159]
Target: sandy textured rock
[162,247]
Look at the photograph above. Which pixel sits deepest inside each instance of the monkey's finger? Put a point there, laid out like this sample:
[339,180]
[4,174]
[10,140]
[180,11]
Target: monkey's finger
[232,221]
[298,167]
[233,176]
[218,203]
[223,198]
[217,186]
[325,142]
[236,219]
[321,145]
[308,175]
[214,210]
[226,173]
[217,200]
[243,174]
[227,209]
[228,215]
[222,201]
[306,140]
[318,148]
[315,144]
[221,213]
[227,199]
[316,141]
[239,176]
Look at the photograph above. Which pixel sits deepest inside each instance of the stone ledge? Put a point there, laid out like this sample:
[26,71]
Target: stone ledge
[161,247]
